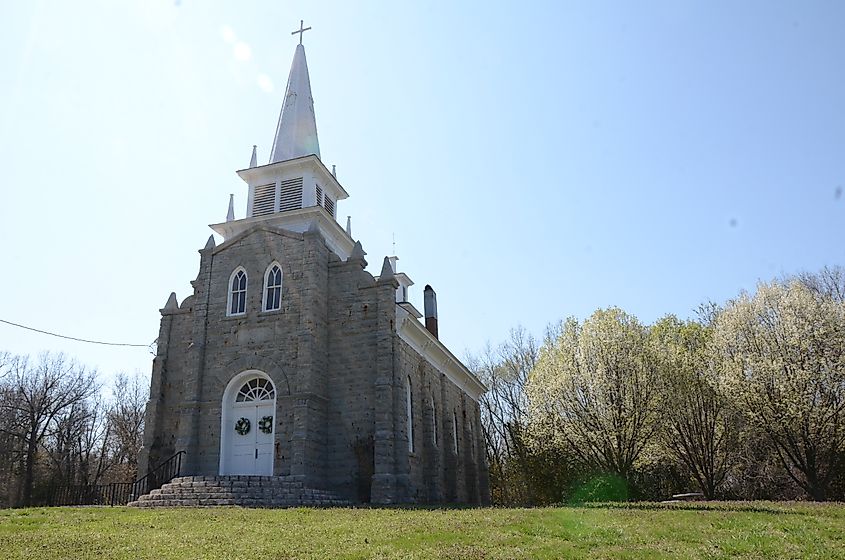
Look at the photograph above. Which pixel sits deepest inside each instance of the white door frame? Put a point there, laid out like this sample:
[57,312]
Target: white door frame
[227,418]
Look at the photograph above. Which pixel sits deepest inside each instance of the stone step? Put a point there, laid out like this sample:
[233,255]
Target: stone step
[216,496]
[246,491]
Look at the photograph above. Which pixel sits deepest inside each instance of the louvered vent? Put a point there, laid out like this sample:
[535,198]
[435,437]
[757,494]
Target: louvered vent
[319,195]
[264,200]
[329,206]
[291,195]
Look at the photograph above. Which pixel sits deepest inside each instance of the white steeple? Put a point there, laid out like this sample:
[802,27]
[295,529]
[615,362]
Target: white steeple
[295,191]
[296,133]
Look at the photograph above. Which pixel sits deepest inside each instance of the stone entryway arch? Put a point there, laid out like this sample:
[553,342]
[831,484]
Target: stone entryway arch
[247,424]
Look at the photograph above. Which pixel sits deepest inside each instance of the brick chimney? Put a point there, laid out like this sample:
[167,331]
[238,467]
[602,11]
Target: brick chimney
[430,306]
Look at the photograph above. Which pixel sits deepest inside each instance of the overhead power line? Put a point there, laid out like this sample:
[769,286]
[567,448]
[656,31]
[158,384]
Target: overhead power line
[74,338]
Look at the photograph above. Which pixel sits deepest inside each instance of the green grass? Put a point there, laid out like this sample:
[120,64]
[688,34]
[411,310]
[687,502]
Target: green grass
[718,530]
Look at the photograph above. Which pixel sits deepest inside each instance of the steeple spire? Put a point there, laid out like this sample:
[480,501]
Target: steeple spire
[296,133]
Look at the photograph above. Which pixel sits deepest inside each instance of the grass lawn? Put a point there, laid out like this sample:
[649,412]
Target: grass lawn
[716,530]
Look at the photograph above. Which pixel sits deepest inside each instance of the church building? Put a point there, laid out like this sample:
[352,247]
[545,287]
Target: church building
[290,364]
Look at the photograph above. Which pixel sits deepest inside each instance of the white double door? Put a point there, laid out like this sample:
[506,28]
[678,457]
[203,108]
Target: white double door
[252,452]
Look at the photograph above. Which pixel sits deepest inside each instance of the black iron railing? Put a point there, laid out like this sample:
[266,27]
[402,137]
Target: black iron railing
[159,476]
[118,493]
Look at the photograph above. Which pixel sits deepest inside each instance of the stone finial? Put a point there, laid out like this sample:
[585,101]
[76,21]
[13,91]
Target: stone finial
[334,171]
[210,244]
[358,251]
[386,270]
[357,255]
[171,302]
[230,215]
[253,161]
[349,226]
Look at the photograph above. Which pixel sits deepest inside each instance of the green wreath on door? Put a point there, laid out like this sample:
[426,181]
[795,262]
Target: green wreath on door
[266,425]
[242,426]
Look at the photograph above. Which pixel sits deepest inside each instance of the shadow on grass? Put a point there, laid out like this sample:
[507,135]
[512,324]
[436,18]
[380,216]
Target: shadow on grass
[739,507]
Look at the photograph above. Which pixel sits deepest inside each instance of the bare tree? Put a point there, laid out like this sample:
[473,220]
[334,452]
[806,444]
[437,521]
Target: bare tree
[6,360]
[76,444]
[126,424]
[828,282]
[504,410]
[11,449]
[35,395]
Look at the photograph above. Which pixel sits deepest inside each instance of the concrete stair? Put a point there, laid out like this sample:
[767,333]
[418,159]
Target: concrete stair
[246,491]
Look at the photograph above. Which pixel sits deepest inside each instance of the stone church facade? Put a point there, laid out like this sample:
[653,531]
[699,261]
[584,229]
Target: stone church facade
[290,360]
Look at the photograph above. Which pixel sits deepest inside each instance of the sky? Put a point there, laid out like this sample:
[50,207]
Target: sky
[531,161]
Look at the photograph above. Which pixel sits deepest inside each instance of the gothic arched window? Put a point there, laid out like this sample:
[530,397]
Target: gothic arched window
[433,422]
[237,292]
[472,439]
[273,288]
[455,432]
[410,407]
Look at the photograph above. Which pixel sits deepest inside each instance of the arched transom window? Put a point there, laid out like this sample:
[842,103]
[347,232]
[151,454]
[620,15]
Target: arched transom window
[256,390]
[273,288]
[237,293]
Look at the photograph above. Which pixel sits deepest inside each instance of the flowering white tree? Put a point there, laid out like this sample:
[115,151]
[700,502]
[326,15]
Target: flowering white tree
[783,355]
[700,427]
[595,390]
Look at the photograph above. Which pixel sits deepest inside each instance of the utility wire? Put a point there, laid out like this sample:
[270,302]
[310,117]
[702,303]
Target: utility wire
[74,338]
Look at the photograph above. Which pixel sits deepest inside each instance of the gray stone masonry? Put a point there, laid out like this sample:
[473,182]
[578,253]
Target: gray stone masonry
[340,373]
[247,491]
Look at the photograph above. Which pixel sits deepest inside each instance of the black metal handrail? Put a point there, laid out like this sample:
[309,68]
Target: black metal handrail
[117,493]
[159,476]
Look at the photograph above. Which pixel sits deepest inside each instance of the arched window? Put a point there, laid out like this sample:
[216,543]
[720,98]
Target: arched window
[273,288]
[257,389]
[237,292]
[433,422]
[410,407]
[455,432]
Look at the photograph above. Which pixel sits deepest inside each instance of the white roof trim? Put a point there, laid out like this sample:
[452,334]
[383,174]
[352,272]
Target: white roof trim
[297,221]
[273,171]
[417,337]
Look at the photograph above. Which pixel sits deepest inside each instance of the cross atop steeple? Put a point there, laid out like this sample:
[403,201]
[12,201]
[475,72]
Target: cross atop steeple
[301,30]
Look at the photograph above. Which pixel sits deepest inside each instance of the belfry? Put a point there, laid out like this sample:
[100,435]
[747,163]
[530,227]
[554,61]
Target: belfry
[291,375]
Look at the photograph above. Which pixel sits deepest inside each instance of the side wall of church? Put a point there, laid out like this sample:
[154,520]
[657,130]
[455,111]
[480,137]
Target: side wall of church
[441,469]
